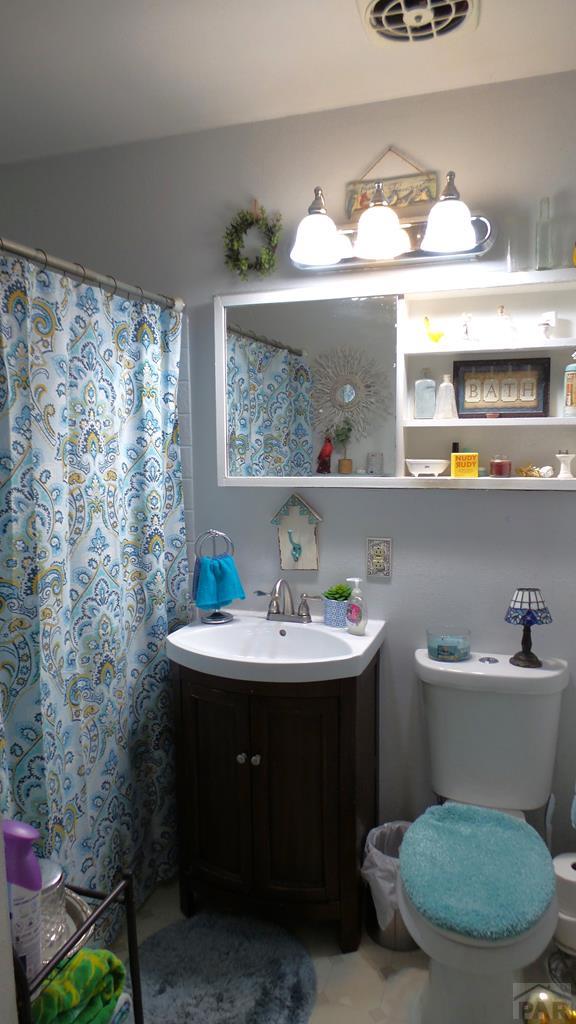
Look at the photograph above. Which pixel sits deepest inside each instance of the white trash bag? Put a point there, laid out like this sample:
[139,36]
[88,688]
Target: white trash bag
[381,866]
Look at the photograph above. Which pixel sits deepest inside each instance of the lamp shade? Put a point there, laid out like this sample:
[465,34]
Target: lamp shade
[379,234]
[318,242]
[449,227]
[527,608]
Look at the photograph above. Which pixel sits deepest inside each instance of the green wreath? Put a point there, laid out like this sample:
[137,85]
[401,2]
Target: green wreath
[265,260]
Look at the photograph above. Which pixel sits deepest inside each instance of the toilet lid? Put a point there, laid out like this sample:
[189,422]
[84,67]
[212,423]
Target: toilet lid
[476,872]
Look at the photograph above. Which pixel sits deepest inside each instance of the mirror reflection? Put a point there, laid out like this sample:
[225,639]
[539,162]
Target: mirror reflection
[310,387]
[346,394]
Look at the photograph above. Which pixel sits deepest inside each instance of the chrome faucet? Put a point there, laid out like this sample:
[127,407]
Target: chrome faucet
[281,602]
[281,606]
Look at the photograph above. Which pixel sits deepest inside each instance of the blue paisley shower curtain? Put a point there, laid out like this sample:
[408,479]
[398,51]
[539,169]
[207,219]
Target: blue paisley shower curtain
[269,407]
[92,572]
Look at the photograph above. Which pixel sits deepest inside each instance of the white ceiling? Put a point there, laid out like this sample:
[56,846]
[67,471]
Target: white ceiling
[77,74]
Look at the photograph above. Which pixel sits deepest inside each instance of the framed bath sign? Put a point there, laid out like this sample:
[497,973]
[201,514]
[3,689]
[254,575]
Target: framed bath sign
[297,524]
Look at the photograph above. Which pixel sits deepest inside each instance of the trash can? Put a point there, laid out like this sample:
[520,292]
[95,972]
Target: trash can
[380,870]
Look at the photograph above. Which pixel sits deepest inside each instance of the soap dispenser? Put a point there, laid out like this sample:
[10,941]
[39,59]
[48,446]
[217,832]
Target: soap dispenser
[356,616]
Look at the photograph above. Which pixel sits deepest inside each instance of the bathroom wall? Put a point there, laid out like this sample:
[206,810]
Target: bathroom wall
[154,213]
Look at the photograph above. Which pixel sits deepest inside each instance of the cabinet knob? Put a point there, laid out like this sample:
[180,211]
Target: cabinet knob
[241,758]
[255,760]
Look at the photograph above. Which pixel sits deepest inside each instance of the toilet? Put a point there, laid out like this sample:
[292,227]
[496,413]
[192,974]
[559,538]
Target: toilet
[477,885]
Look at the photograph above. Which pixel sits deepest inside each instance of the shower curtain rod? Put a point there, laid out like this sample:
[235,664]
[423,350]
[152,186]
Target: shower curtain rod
[264,340]
[84,274]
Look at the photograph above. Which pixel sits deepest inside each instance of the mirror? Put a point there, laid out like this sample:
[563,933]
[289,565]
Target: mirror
[345,394]
[309,385]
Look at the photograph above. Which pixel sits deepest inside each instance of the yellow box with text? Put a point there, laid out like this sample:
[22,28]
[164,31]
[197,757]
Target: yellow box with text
[464,464]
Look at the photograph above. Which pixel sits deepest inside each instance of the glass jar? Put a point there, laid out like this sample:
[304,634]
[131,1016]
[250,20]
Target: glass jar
[500,466]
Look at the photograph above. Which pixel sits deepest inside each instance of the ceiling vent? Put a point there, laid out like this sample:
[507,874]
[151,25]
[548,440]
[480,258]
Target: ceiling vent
[412,21]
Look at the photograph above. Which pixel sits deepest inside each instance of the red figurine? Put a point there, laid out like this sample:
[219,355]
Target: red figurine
[323,461]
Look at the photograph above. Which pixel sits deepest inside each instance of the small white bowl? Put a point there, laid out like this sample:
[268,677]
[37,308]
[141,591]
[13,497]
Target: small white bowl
[427,467]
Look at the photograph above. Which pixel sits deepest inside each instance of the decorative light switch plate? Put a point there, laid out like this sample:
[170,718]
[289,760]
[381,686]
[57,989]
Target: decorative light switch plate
[379,557]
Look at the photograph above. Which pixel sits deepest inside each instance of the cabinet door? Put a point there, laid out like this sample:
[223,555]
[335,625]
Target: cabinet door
[215,801]
[295,797]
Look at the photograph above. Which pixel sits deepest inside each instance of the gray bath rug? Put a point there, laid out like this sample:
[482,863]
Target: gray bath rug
[220,969]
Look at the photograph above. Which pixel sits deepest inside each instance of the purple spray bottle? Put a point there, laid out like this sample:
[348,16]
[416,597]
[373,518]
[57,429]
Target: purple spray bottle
[24,884]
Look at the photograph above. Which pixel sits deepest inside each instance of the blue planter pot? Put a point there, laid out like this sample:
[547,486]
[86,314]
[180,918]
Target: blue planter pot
[335,613]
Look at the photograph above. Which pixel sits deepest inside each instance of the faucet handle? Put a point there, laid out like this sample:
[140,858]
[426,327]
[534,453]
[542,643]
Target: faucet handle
[303,607]
[274,606]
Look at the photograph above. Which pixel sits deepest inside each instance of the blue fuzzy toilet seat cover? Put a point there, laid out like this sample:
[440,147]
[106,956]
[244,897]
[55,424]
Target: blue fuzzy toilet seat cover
[477,872]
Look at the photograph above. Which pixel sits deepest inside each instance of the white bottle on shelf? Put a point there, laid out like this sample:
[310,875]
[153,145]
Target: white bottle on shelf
[544,255]
[446,408]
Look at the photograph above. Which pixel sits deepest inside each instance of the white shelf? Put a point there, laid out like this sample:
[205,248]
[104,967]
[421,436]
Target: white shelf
[481,483]
[512,421]
[474,349]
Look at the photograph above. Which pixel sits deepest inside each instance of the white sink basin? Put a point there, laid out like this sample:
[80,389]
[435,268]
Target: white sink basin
[251,647]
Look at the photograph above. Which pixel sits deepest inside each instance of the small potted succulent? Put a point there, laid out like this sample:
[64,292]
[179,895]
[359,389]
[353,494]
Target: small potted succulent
[335,605]
[341,436]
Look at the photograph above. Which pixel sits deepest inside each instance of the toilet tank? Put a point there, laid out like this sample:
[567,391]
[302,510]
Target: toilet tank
[492,728]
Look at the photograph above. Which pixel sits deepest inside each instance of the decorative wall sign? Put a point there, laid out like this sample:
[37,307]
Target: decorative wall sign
[379,557]
[411,195]
[297,524]
[502,387]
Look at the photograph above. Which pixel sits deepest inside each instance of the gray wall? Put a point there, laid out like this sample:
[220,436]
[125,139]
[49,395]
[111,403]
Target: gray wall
[154,214]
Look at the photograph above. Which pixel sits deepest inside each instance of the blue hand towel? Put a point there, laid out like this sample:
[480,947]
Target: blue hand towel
[217,582]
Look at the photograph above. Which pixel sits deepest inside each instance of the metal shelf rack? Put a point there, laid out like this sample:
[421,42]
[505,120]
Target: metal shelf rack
[123,893]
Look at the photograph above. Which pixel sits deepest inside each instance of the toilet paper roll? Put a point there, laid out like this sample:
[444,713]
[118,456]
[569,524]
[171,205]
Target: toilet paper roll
[565,934]
[565,871]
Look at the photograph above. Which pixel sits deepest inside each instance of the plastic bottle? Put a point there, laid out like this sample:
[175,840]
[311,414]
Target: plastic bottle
[356,615]
[446,408]
[570,388]
[24,879]
[544,258]
[424,397]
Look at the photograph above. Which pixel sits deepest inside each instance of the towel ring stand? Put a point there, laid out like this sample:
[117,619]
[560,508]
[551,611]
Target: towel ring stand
[217,617]
[212,535]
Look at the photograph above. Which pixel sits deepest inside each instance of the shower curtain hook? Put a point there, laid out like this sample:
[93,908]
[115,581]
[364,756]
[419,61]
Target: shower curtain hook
[83,269]
[45,257]
[139,287]
[115,285]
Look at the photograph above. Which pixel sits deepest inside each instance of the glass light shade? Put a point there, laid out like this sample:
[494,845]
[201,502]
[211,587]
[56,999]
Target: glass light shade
[379,235]
[528,608]
[318,242]
[449,228]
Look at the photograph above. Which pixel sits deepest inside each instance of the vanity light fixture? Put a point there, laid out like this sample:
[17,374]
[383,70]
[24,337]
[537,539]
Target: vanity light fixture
[449,227]
[379,235]
[451,232]
[318,242]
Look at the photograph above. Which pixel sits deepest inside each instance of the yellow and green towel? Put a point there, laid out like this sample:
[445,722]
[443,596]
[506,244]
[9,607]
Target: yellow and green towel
[84,991]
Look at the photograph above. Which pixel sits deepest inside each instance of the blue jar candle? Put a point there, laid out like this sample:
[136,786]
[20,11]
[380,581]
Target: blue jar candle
[448,644]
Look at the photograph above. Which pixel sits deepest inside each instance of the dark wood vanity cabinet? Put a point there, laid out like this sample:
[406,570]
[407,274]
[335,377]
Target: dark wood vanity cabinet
[276,792]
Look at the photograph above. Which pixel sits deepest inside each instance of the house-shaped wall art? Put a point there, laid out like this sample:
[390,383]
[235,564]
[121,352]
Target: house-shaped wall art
[297,524]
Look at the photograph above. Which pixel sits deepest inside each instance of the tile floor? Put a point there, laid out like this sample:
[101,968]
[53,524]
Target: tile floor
[372,986]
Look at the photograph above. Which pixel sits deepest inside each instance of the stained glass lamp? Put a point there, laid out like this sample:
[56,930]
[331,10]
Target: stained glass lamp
[527,609]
